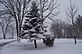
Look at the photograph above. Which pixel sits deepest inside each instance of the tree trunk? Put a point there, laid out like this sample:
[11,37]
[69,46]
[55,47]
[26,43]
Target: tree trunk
[4,36]
[35,43]
[75,40]
[18,28]
[12,36]
[18,31]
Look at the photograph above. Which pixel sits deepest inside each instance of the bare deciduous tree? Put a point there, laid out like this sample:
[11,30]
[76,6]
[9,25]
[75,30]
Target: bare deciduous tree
[49,8]
[17,9]
[5,23]
[57,28]
[11,31]
[71,13]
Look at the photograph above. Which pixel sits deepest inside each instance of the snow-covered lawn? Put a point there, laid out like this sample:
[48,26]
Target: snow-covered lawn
[61,46]
[5,40]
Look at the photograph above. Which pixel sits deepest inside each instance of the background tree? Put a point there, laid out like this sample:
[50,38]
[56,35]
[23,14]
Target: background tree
[11,31]
[68,32]
[57,28]
[79,26]
[71,13]
[5,23]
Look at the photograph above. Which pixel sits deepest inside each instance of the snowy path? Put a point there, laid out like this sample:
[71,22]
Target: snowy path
[61,46]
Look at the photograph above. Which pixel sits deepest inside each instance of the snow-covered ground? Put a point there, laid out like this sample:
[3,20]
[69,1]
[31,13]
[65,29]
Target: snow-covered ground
[5,40]
[61,46]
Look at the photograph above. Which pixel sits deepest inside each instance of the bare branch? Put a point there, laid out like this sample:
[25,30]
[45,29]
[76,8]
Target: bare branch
[51,7]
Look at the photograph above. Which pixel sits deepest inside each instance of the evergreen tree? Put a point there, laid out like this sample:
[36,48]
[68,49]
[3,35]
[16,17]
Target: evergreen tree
[32,27]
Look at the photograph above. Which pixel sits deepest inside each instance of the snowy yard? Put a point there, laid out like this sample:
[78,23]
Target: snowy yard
[5,40]
[61,46]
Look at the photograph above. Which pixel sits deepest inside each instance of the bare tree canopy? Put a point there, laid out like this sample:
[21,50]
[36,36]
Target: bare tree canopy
[15,8]
[57,28]
[5,23]
[49,8]
[71,13]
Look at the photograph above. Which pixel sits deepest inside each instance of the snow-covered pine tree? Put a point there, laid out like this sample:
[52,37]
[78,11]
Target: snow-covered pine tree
[32,27]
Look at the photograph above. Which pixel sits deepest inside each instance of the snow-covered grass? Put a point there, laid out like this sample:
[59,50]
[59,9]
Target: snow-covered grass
[5,40]
[61,46]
